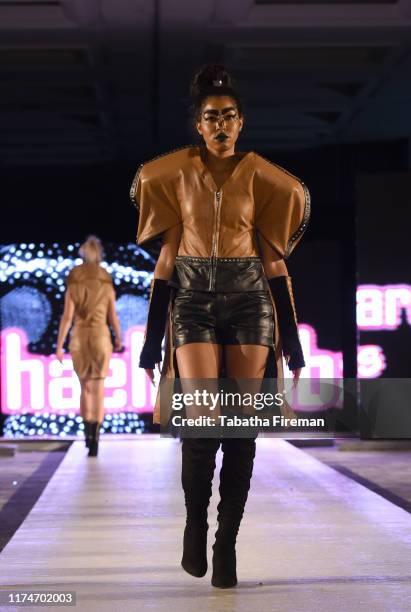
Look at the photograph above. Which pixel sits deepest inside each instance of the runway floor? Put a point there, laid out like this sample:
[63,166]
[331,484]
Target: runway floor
[111,529]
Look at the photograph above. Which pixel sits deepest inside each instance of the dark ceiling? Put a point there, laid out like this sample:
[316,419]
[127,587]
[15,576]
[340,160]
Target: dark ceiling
[99,81]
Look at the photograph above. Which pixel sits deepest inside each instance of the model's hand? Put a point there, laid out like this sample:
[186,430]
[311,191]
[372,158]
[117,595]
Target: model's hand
[296,376]
[59,354]
[296,373]
[118,345]
[150,373]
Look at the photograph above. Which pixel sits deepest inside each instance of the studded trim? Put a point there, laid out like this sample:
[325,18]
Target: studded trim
[196,259]
[307,209]
[303,225]
[133,187]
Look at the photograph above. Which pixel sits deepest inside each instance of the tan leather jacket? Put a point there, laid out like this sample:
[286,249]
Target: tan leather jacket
[90,289]
[177,188]
[219,224]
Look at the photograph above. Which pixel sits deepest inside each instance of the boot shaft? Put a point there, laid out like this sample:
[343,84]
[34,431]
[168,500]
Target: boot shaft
[197,471]
[94,439]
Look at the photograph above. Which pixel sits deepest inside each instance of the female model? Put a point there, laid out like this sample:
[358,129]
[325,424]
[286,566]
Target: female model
[90,299]
[227,220]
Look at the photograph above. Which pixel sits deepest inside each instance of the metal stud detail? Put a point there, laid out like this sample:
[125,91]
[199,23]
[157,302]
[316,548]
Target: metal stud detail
[133,187]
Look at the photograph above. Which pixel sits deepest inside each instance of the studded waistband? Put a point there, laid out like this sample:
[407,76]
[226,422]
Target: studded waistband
[218,259]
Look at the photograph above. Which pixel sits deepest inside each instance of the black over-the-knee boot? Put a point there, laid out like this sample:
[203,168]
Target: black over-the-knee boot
[235,477]
[94,439]
[87,432]
[198,463]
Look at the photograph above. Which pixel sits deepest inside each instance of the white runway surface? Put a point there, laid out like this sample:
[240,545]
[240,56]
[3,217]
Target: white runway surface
[111,529]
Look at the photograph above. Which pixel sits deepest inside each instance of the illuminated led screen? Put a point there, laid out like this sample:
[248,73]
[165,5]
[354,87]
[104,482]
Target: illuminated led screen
[33,381]
[33,279]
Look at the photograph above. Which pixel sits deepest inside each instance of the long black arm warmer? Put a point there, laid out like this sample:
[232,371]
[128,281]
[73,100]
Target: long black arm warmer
[281,290]
[156,324]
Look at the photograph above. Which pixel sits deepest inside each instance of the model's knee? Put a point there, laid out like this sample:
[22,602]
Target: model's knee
[85,386]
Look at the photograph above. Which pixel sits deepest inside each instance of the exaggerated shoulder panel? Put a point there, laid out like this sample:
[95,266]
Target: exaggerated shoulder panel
[154,192]
[282,204]
[161,167]
[167,164]
[280,201]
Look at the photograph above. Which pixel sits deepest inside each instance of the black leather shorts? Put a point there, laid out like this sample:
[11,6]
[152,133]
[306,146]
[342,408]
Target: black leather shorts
[223,318]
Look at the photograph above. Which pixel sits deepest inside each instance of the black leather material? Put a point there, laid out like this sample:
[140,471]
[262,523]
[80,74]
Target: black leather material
[220,274]
[223,318]
[281,290]
[156,324]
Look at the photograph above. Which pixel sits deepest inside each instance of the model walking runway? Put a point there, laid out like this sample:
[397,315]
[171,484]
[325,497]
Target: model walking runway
[110,530]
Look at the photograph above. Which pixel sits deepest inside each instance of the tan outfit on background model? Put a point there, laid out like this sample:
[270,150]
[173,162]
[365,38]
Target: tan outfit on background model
[90,345]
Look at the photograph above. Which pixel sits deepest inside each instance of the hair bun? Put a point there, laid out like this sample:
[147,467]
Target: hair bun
[209,77]
[91,250]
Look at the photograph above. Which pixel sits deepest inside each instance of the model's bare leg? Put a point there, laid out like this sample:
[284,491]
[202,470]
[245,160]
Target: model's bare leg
[97,399]
[198,365]
[243,362]
[83,405]
[92,399]
[197,361]
[246,364]
[246,360]
[85,399]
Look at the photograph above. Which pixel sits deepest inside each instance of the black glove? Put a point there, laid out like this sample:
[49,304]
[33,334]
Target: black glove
[282,292]
[156,324]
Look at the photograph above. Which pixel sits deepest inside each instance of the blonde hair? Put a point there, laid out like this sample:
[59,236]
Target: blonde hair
[91,251]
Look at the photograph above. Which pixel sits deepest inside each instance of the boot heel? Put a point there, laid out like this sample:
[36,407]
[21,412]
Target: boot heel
[194,560]
[224,567]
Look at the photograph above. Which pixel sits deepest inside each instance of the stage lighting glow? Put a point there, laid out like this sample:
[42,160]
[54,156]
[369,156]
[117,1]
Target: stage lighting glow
[381,307]
[30,345]
[33,282]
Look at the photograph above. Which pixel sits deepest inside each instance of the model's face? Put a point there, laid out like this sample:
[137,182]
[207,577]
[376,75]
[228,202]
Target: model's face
[219,123]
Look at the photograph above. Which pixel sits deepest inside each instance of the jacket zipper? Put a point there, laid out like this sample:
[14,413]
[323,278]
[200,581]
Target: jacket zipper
[215,241]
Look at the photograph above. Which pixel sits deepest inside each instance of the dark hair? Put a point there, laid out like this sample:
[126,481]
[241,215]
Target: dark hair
[212,80]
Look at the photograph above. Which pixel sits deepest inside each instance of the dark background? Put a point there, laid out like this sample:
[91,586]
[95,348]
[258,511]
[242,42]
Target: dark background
[89,90]
[383,258]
